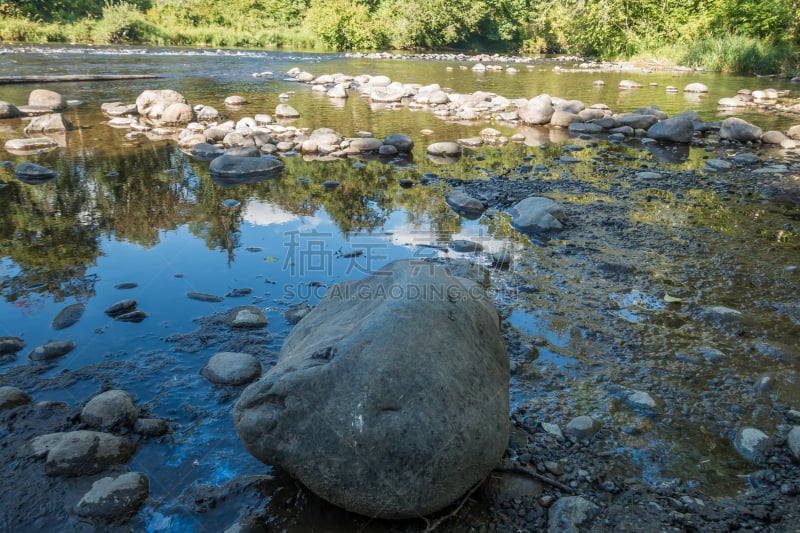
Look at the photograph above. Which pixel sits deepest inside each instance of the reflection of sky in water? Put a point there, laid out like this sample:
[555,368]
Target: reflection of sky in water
[632,303]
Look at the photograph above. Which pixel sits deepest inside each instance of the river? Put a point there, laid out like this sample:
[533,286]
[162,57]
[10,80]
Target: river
[143,211]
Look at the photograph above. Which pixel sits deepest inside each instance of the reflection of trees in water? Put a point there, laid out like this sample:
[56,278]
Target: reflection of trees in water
[133,192]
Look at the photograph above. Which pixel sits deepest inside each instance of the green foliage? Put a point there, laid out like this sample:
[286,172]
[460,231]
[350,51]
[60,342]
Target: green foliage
[69,10]
[701,32]
[430,23]
[124,23]
[761,18]
[344,24]
[739,53]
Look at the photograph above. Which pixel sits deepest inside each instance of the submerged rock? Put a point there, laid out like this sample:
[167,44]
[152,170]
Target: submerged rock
[231,169]
[11,345]
[465,205]
[33,173]
[51,350]
[246,316]
[373,408]
[30,145]
[49,123]
[68,316]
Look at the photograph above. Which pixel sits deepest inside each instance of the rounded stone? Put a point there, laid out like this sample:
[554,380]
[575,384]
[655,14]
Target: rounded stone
[33,173]
[582,428]
[752,444]
[115,498]
[11,397]
[246,316]
[232,368]
[110,410]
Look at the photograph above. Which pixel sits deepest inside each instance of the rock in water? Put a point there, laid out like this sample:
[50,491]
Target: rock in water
[68,316]
[390,398]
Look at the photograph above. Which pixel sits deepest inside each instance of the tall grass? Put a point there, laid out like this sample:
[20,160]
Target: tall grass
[124,24]
[741,54]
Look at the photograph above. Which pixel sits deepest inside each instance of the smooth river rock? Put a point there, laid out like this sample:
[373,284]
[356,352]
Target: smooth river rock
[537,214]
[115,498]
[676,129]
[753,445]
[110,411]
[153,103]
[46,98]
[81,453]
[33,173]
[68,316]
[390,398]
[11,397]
[465,205]
[231,169]
[51,350]
[736,129]
[48,123]
[231,368]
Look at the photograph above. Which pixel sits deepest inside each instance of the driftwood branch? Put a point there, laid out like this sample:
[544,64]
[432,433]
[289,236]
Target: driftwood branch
[8,80]
[432,525]
[535,475]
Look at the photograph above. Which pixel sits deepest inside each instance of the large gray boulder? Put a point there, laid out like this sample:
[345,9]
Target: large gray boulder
[538,110]
[676,129]
[736,129]
[390,398]
[537,214]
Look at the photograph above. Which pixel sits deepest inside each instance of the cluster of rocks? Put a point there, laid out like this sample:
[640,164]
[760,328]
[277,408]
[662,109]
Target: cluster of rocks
[102,443]
[648,124]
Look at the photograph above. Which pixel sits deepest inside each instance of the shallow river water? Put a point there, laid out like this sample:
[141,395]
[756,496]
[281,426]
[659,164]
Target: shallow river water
[143,211]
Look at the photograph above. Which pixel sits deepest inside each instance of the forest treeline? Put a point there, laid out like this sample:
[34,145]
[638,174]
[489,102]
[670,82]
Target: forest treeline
[754,36]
